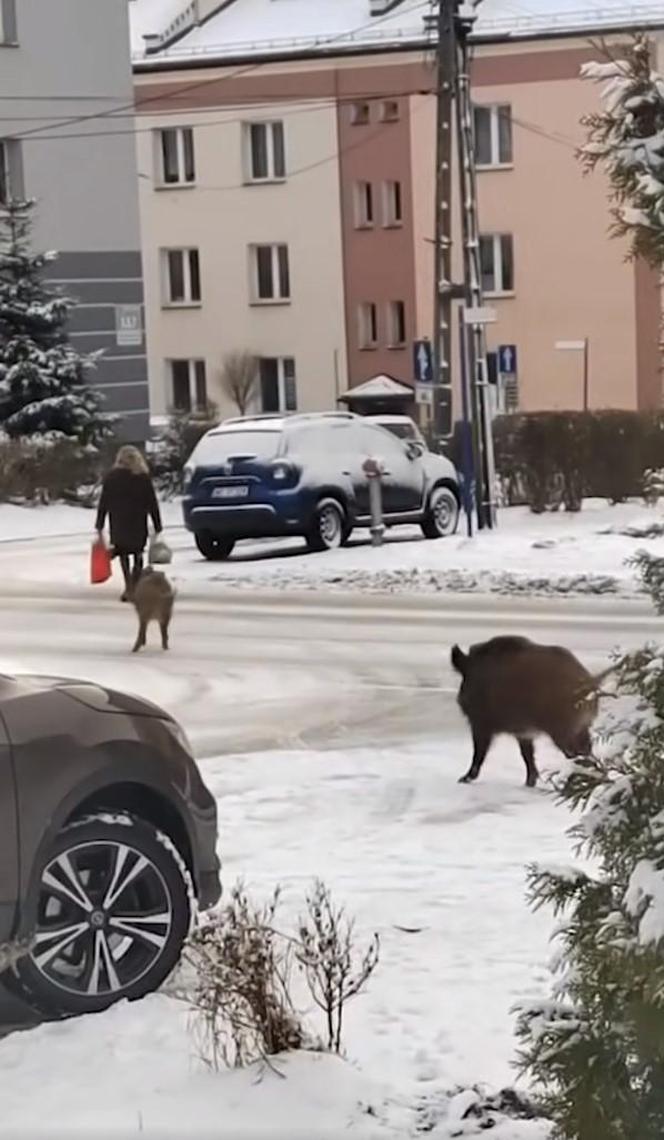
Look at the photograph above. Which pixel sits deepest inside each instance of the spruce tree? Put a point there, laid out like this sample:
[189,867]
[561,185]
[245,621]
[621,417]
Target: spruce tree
[596,1049]
[626,138]
[44,394]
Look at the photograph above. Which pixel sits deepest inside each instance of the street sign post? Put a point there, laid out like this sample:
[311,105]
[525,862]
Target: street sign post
[422,361]
[479,315]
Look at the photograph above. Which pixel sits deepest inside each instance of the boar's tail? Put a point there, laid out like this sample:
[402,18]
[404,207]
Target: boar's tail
[459,660]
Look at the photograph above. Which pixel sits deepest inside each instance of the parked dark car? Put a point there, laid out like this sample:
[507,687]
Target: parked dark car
[107,841]
[270,476]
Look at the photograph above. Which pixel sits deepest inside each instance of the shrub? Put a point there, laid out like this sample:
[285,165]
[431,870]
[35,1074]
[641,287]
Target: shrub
[169,452]
[546,459]
[243,977]
[37,470]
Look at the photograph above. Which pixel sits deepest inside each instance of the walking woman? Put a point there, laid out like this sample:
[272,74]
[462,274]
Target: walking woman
[128,498]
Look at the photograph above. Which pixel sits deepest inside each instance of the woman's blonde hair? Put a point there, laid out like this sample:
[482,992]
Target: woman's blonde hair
[131,459]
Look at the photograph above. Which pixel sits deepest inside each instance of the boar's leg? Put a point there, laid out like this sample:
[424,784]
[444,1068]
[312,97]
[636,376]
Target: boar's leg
[481,745]
[141,639]
[528,753]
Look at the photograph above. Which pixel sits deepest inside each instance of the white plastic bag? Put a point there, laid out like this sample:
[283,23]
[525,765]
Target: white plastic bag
[159,552]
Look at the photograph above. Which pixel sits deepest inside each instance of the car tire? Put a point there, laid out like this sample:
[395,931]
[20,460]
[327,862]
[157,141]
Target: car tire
[328,526]
[129,939]
[442,514]
[212,546]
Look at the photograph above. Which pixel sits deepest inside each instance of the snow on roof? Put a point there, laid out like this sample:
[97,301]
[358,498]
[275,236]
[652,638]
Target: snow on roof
[379,386]
[275,27]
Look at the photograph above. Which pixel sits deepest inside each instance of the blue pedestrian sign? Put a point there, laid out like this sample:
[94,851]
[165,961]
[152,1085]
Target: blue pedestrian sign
[507,359]
[422,361]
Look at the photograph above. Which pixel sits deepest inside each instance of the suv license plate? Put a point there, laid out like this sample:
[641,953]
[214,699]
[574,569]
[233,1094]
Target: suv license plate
[230,492]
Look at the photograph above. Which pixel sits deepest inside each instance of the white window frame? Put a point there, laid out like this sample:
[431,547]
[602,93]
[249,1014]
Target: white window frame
[270,126]
[394,340]
[182,182]
[367,315]
[188,302]
[493,110]
[279,297]
[498,269]
[364,206]
[281,382]
[191,363]
[392,218]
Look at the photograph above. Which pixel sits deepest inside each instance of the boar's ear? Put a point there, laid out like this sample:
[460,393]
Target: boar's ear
[459,660]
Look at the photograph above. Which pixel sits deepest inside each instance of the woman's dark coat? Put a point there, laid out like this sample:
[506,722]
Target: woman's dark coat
[128,500]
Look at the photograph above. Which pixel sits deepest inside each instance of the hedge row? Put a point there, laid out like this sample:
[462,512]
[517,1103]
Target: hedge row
[546,459]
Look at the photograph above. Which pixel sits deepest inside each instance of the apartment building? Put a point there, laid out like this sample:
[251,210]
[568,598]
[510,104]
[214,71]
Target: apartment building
[287,195]
[60,145]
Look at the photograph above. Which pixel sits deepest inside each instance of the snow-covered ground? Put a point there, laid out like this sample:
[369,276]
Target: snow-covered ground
[437,869]
[585,553]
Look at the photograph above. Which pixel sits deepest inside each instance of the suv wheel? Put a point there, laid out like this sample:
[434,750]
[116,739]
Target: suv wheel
[328,528]
[442,514]
[114,907]
[212,547]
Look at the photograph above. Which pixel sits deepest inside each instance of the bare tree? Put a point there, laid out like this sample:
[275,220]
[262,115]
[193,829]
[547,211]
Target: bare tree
[239,374]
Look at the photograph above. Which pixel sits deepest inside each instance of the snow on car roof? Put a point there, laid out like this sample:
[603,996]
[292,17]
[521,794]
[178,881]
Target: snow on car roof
[249,424]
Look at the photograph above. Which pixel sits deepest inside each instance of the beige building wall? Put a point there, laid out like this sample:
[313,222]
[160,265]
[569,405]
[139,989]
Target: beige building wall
[571,280]
[221,216]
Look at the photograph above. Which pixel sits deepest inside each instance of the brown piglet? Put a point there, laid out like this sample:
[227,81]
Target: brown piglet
[153,599]
[515,686]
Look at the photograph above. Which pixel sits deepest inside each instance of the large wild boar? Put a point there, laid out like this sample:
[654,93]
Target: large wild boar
[512,685]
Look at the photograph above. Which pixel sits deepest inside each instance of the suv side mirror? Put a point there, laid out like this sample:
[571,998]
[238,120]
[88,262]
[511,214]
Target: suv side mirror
[414,449]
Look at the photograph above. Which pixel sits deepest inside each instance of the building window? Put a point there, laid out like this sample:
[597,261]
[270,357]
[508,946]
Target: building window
[392,211]
[270,273]
[389,111]
[7,21]
[368,325]
[396,323]
[266,153]
[182,277]
[277,384]
[364,214]
[359,114]
[188,385]
[497,263]
[175,156]
[493,135]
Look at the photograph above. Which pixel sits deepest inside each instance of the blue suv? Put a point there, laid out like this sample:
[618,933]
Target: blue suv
[271,476]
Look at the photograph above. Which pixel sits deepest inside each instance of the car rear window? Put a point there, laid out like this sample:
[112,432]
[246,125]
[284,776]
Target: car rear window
[402,431]
[222,446]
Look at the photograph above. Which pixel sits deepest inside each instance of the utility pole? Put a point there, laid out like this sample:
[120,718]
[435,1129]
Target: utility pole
[442,300]
[454,22]
[481,399]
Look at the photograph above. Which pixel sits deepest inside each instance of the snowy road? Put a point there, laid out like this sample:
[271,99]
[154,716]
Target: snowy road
[259,671]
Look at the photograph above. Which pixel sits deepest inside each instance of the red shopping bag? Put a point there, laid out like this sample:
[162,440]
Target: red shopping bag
[100,563]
